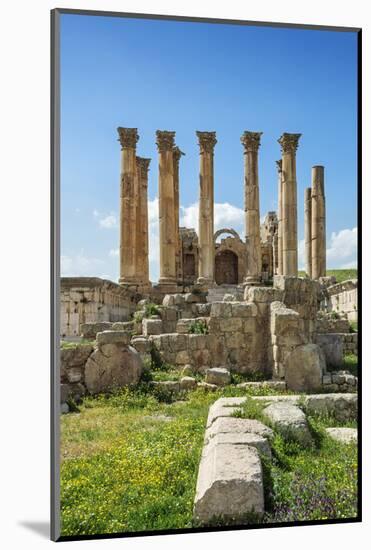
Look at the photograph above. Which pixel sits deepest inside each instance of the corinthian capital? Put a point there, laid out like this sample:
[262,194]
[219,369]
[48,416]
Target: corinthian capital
[165,140]
[206,141]
[128,137]
[177,154]
[289,142]
[143,166]
[251,141]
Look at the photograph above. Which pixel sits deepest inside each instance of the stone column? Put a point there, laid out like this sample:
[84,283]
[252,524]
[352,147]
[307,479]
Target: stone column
[279,216]
[308,230]
[142,261]
[178,253]
[206,257]
[289,145]
[318,223]
[251,143]
[128,138]
[165,144]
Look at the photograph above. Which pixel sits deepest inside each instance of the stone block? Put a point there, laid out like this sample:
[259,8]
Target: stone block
[152,326]
[182,358]
[289,420]
[304,368]
[332,346]
[188,383]
[114,366]
[119,337]
[231,324]
[342,406]
[125,326]
[207,387]
[229,484]
[221,309]
[183,325]
[90,330]
[201,359]
[197,341]
[244,309]
[343,435]
[218,376]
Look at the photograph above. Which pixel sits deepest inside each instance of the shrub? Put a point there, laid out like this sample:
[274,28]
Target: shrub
[198,327]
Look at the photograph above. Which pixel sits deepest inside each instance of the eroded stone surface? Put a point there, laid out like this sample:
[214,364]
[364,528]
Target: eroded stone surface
[218,376]
[112,366]
[304,368]
[230,483]
[343,435]
[289,420]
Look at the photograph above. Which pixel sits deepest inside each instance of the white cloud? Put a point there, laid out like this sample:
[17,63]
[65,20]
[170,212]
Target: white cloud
[80,265]
[341,252]
[106,221]
[225,215]
[113,252]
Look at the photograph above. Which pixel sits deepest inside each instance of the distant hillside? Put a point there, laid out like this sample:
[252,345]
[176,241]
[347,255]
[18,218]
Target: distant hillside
[340,274]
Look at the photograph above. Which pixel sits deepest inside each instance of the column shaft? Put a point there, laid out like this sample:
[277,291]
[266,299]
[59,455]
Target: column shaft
[207,141]
[318,223]
[308,230]
[279,230]
[165,144]
[178,253]
[289,144]
[251,143]
[128,138]
[142,261]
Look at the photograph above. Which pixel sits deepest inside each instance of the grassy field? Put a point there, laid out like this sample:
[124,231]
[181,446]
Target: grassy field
[129,463]
[340,274]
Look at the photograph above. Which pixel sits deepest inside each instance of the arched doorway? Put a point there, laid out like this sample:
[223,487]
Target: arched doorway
[226,268]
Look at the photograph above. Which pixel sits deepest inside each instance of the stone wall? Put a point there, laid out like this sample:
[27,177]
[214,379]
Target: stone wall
[343,297]
[91,299]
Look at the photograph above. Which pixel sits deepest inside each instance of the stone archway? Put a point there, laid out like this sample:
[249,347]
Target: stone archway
[226,268]
[226,230]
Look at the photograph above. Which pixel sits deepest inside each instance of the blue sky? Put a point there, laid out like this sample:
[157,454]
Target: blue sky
[186,76]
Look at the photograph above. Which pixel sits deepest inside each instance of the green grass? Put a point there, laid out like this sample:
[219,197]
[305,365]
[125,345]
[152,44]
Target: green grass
[340,274]
[64,344]
[129,463]
[351,363]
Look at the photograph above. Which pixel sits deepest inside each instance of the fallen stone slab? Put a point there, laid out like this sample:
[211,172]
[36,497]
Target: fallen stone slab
[342,406]
[218,375]
[112,366]
[224,407]
[229,484]
[343,435]
[272,384]
[90,330]
[290,421]
[260,443]
[207,387]
[238,426]
[187,383]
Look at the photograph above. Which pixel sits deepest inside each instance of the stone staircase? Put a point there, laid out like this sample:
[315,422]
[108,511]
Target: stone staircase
[216,294]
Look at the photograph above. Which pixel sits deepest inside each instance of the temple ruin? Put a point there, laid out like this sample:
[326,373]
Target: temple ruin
[198,258]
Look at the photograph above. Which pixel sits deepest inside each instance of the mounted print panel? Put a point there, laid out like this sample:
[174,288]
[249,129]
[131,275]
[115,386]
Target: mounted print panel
[205,348]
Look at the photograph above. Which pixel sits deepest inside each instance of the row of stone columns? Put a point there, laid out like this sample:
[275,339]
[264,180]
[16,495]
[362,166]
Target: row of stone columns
[134,268]
[315,225]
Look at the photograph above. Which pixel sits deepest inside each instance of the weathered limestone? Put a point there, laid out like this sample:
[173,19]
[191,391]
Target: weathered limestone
[279,233]
[342,406]
[113,364]
[206,141]
[141,250]
[332,346]
[178,250]
[165,144]
[343,435]
[318,223]
[289,145]
[308,230]
[304,368]
[218,376]
[290,421]
[251,143]
[128,138]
